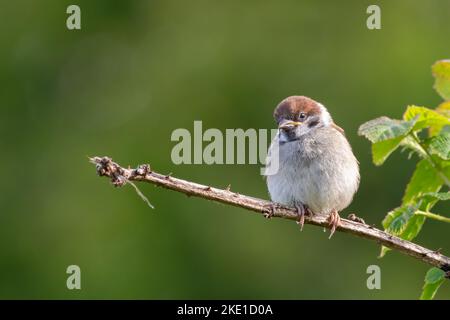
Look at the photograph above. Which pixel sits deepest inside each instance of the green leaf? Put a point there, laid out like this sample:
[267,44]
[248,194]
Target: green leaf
[441,73]
[441,196]
[439,145]
[396,220]
[421,193]
[410,143]
[381,150]
[383,252]
[425,118]
[384,128]
[386,135]
[433,280]
[402,222]
[444,109]
[434,275]
[413,227]
[424,179]
[428,200]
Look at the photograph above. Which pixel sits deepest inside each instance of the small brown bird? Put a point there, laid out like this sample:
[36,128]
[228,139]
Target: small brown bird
[317,171]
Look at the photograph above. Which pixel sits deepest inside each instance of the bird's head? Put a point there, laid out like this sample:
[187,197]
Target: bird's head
[299,115]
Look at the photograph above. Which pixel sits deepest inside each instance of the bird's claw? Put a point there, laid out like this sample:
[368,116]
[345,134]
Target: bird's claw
[302,210]
[335,220]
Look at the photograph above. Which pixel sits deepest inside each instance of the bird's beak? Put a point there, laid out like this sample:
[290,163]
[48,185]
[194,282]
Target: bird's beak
[289,125]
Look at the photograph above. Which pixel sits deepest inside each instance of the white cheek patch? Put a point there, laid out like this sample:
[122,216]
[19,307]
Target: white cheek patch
[326,118]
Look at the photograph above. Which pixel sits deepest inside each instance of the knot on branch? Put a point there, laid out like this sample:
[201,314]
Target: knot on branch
[106,167]
[142,170]
[120,176]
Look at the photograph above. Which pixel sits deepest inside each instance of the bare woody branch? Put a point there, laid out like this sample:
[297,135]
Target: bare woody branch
[120,176]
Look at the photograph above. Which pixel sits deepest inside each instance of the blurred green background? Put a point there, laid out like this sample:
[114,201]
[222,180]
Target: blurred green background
[139,69]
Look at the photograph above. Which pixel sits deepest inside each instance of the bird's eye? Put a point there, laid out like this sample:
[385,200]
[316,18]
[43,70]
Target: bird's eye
[302,116]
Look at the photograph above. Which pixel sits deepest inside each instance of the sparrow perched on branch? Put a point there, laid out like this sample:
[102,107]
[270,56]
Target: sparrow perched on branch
[317,171]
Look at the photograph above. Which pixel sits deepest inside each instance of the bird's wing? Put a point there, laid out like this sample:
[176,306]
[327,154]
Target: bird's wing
[334,125]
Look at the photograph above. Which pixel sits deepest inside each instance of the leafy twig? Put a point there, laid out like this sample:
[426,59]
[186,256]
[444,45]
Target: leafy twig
[430,160]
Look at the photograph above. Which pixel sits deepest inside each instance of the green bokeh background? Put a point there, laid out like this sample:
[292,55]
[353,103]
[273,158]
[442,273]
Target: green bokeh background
[139,69]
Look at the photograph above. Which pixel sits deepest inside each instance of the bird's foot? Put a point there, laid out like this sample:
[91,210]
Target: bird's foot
[269,210]
[302,210]
[335,219]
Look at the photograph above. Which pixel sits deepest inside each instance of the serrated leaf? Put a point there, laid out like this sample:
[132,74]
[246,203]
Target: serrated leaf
[424,179]
[425,118]
[413,227]
[441,73]
[421,193]
[396,220]
[384,128]
[439,145]
[410,230]
[402,222]
[381,150]
[433,280]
